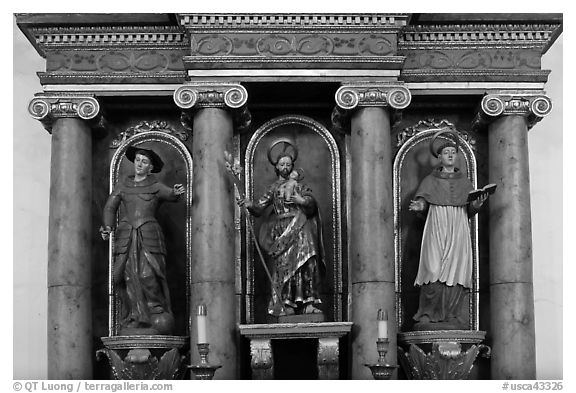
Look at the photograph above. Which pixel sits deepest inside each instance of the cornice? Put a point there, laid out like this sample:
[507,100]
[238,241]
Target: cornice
[520,36]
[149,37]
[532,105]
[292,21]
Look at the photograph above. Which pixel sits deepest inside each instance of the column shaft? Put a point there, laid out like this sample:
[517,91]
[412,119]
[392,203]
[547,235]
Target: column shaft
[511,288]
[213,239]
[70,349]
[372,235]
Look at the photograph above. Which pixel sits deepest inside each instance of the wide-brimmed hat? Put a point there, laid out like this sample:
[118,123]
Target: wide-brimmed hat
[155,159]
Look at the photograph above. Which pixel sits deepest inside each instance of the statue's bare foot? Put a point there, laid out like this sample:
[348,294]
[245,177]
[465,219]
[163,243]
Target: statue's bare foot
[310,309]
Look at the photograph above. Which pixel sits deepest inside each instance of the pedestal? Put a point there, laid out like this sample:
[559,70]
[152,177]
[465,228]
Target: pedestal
[440,354]
[145,357]
[327,334]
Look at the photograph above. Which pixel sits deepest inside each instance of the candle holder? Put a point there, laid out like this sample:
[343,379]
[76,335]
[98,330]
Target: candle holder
[382,370]
[204,370]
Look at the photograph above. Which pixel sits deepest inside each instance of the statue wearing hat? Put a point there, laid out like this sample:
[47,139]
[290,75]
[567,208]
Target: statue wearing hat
[446,258]
[139,272]
[291,236]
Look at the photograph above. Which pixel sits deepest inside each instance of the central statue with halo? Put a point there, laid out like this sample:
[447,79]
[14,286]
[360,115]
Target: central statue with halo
[290,238]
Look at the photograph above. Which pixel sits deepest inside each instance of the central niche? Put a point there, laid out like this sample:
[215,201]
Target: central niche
[319,157]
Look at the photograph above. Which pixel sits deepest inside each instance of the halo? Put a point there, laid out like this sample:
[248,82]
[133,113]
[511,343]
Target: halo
[285,149]
[436,135]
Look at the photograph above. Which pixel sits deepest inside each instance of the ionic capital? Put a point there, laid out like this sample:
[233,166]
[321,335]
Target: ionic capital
[395,95]
[198,95]
[48,108]
[210,95]
[533,105]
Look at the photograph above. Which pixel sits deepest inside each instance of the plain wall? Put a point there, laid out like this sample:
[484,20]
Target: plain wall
[30,207]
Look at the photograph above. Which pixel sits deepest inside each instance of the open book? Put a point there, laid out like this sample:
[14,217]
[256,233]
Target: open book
[474,194]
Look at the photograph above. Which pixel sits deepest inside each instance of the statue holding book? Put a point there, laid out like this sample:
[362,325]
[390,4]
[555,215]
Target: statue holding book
[446,257]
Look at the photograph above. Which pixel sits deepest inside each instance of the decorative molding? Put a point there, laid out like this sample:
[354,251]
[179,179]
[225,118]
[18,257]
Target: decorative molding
[89,79]
[147,126]
[53,38]
[533,105]
[474,36]
[477,75]
[395,95]
[210,95]
[324,62]
[267,21]
[48,108]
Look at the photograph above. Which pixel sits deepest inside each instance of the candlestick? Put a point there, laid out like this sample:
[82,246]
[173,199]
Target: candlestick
[201,317]
[382,323]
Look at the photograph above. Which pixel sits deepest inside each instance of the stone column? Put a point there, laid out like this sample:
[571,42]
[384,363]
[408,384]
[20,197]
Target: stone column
[511,288]
[371,216]
[70,351]
[213,269]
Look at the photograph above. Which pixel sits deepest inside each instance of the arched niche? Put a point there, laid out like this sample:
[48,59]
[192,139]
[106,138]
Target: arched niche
[320,159]
[413,162]
[174,218]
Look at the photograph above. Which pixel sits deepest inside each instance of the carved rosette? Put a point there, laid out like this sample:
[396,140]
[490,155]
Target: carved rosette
[48,108]
[396,96]
[232,96]
[531,105]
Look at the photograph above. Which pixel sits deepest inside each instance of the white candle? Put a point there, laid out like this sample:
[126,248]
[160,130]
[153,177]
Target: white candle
[201,317]
[382,324]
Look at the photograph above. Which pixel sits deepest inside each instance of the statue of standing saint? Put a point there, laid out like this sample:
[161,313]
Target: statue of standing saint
[446,258]
[291,237]
[139,271]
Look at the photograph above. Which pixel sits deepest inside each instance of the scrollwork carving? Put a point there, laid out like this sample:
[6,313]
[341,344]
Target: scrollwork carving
[394,95]
[47,108]
[428,124]
[231,95]
[147,126]
[447,361]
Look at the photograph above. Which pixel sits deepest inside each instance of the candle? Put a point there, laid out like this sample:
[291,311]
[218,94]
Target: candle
[382,324]
[201,316]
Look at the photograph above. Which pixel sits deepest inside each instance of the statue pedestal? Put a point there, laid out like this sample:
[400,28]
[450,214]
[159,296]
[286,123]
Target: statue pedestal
[145,357]
[440,354]
[326,333]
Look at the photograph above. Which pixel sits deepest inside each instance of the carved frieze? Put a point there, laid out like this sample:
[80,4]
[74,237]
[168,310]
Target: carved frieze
[394,95]
[470,59]
[47,108]
[292,44]
[112,61]
[533,105]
